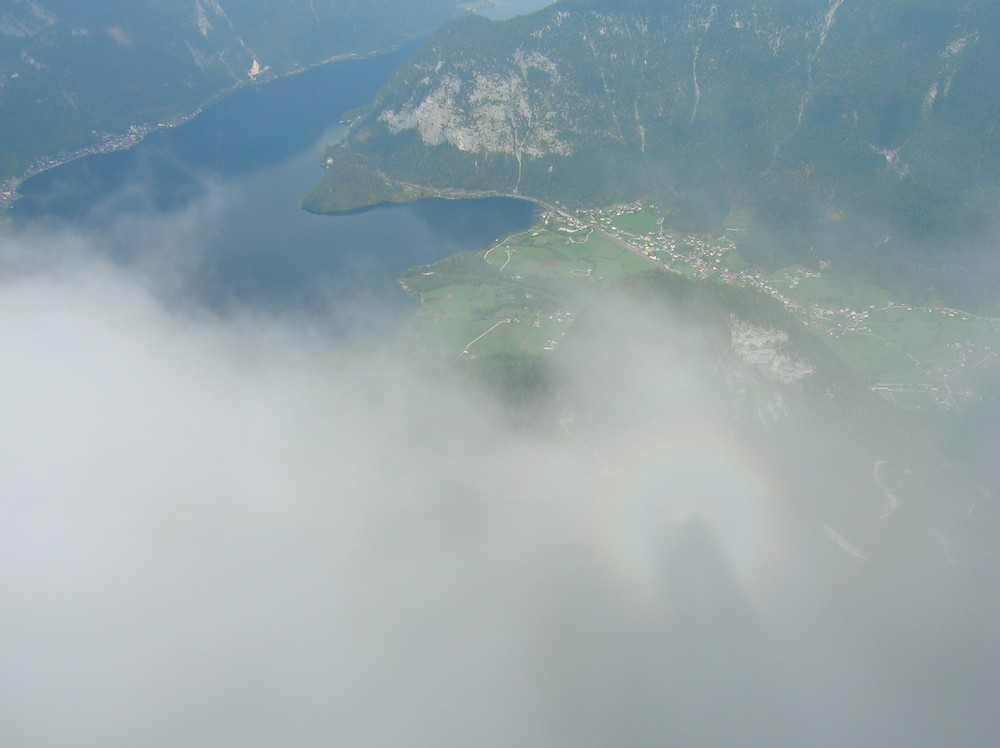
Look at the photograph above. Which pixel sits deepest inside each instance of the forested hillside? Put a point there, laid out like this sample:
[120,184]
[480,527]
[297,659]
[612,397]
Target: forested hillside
[74,75]
[862,133]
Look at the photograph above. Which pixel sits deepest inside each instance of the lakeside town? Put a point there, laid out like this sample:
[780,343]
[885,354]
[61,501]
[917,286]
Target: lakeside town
[913,354]
[105,143]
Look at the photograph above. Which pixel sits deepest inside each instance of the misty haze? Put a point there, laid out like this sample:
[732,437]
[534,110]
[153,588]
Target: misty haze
[493,377]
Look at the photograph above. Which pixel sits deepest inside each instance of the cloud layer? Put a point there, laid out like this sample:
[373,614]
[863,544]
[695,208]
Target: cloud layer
[237,531]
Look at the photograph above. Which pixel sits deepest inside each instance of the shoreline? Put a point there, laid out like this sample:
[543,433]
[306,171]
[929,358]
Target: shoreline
[123,141]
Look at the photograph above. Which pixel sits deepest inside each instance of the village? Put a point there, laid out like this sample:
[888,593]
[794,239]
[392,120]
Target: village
[104,143]
[913,354]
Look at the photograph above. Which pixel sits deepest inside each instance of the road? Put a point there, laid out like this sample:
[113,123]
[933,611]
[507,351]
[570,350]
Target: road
[472,342]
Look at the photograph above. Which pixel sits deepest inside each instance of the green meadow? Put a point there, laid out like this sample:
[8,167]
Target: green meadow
[516,296]
[640,222]
[519,297]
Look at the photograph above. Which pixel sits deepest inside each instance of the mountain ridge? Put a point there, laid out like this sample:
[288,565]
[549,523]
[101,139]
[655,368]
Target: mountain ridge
[788,116]
[98,76]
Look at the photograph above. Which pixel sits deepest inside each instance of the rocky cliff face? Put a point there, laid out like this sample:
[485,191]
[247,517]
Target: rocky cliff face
[576,79]
[487,112]
[764,349]
[799,112]
[583,74]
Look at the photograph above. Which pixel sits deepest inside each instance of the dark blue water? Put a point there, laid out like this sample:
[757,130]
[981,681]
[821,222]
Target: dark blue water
[223,191]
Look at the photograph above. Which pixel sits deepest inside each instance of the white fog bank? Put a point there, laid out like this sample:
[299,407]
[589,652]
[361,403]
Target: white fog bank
[236,531]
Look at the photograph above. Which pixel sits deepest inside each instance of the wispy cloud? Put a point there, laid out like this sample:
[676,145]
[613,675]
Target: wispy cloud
[232,529]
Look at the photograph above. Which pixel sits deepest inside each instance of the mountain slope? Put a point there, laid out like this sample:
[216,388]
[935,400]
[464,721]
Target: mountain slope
[814,124]
[75,74]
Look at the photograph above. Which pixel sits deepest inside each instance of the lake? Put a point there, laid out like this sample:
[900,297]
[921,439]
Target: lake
[223,190]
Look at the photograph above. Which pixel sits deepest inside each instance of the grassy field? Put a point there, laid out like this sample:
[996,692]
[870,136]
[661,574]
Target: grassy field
[916,346]
[519,296]
[640,222]
[809,289]
[874,356]
[548,254]
[685,269]
[734,261]
[914,398]
[515,297]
